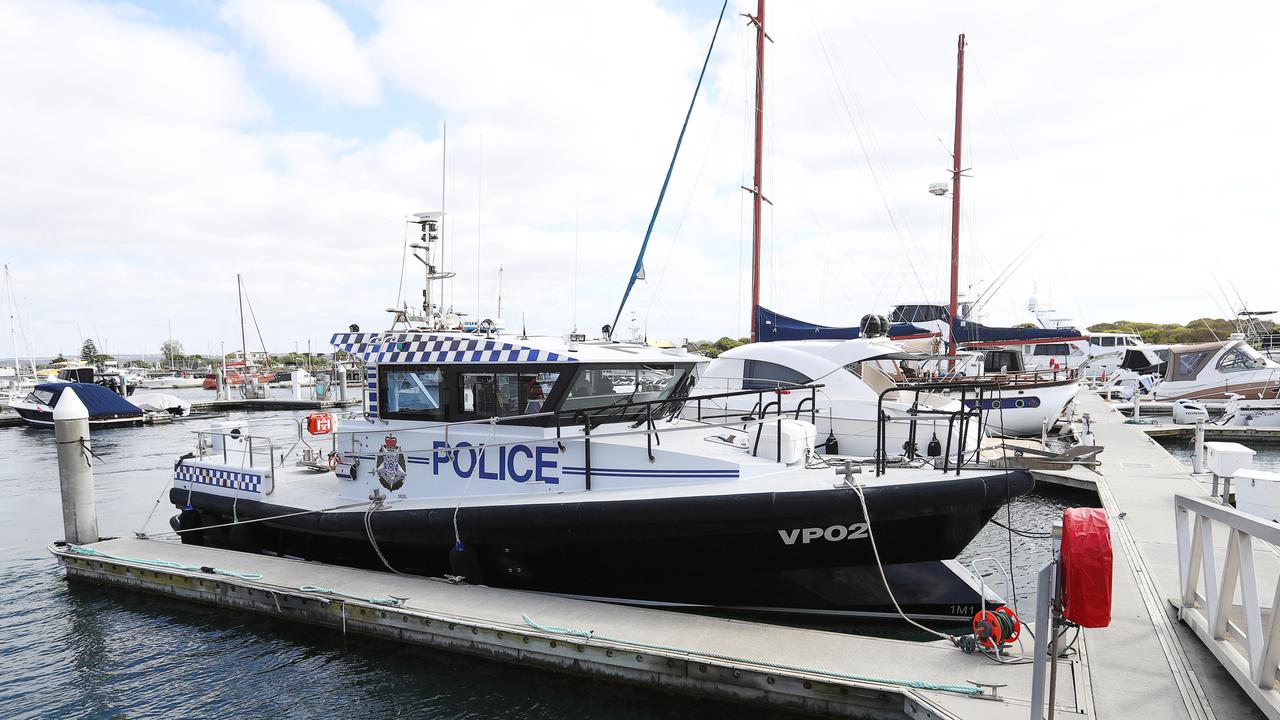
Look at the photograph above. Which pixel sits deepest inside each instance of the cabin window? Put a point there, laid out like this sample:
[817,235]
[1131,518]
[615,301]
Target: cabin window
[603,386]
[1053,349]
[1187,365]
[503,394]
[761,375]
[414,391]
[1241,358]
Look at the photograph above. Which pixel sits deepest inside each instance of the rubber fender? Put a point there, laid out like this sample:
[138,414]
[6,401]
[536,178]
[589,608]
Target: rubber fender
[1086,567]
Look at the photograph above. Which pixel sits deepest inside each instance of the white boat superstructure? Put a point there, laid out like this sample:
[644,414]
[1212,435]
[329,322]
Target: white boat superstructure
[1218,370]
[857,385]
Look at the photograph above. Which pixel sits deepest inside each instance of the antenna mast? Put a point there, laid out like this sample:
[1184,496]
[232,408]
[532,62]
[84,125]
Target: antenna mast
[756,189]
[955,198]
[444,163]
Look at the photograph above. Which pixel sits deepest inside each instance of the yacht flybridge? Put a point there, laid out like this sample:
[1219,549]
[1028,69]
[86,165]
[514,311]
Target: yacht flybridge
[565,465]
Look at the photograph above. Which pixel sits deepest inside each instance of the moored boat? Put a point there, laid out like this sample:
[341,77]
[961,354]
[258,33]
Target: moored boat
[105,407]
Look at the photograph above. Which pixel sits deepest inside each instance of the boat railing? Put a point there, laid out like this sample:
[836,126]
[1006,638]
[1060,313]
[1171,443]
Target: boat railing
[258,452]
[958,420]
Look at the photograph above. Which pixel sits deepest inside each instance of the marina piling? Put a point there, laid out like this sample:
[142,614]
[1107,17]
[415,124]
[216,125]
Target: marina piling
[75,473]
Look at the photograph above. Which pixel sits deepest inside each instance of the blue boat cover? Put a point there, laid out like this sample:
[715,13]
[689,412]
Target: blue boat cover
[774,326]
[972,332]
[98,400]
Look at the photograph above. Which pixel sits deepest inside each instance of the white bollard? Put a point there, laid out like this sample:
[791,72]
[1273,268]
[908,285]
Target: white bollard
[1137,406]
[1197,448]
[75,474]
[340,381]
[221,379]
[295,382]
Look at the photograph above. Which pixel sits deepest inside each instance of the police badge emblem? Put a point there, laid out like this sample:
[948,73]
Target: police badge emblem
[390,465]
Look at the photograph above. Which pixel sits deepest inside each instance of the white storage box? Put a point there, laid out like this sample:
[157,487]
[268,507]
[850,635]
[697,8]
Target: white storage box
[1258,493]
[797,440]
[227,442]
[1225,458]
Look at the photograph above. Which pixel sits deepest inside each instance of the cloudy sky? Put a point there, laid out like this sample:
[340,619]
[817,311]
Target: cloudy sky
[151,151]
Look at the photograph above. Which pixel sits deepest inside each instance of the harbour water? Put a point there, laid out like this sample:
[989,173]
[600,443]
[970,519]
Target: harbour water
[87,652]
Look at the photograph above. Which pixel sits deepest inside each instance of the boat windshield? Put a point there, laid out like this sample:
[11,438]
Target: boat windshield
[41,397]
[1241,357]
[600,386]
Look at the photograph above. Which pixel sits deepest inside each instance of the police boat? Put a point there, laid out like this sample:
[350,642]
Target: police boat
[566,465]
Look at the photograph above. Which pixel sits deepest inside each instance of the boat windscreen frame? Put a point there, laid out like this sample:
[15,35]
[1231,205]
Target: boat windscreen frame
[550,414]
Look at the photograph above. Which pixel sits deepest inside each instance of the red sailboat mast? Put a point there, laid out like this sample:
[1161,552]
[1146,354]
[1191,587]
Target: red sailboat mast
[756,189]
[955,199]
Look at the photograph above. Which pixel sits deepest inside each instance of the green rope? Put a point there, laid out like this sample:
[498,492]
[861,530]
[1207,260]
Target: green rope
[388,601]
[962,689]
[91,552]
[1141,421]
[82,550]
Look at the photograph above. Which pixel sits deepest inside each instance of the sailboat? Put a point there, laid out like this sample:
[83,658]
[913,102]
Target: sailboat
[19,380]
[1016,402]
[240,370]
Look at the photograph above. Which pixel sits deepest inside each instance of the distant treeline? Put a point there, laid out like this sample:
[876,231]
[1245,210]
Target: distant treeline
[1199,330]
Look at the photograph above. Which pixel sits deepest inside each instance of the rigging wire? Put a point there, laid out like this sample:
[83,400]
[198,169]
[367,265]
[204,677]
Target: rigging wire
[404,258]
[893,220]
[256,329]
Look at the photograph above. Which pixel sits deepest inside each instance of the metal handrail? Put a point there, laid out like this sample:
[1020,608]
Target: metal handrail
[202,447]
[960,416]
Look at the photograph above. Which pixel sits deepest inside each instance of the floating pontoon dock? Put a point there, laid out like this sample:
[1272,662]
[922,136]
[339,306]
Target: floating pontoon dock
[1147,664]
[802,670]
[270,404]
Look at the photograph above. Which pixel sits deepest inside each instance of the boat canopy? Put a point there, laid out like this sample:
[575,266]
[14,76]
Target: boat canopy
[775,326]
[1186,361]
[98,400]
[971,332]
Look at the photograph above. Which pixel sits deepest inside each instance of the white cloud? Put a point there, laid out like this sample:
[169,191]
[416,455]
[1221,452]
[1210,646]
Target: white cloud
[310,43]
[136,179]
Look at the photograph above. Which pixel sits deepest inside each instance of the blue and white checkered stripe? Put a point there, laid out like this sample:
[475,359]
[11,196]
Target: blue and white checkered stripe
[371,389]
[229,479]
[416,348]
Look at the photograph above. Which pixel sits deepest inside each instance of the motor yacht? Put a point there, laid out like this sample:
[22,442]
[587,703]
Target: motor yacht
[106,408]
[1216,370]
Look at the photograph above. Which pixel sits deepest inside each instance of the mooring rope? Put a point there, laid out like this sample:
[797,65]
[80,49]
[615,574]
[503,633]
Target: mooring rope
[387,601]
[960,688]
[91,552]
